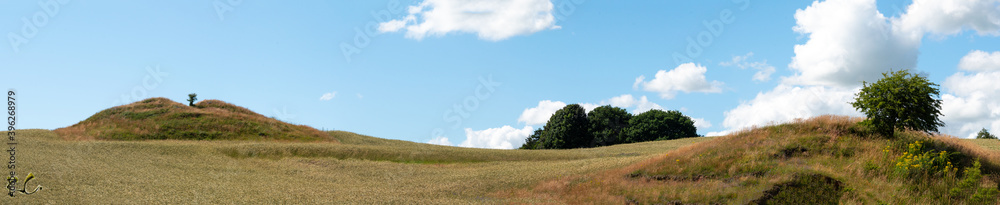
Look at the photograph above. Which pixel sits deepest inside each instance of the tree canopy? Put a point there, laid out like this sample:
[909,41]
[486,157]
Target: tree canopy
[567,128]
[659,125]
[571,127]
[983,134]
[900,100]
[607,124]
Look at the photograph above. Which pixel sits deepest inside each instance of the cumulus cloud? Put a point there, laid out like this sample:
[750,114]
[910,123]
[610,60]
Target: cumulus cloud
[490,20]
[701,123]
[505,137]
[440,141]
[786,103]
[858,45]
[849,42]
[540,114]
[638,105]
[687,77]
[764,70]
[974,99]
[978,60]
[952,17]
[328,96]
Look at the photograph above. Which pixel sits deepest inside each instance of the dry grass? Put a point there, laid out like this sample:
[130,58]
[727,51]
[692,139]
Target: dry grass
[739,168]
[161,118]
[365,170]
[200,172]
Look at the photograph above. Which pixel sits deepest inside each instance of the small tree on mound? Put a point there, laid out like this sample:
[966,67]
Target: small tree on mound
[900,100]
[191,98]
[983,134]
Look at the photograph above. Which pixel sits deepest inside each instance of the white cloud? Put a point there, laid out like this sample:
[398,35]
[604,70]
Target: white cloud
[978,60]
[644,105]
[440,141]
[589,106]
[764,70]
[328,96]
[701,123]
[949,17]
[849,42]
[687,77]
[627,101]
[490,20]
[979,83]
[974,99]
[786,103]
[716,134]
[505,137]
[540,114]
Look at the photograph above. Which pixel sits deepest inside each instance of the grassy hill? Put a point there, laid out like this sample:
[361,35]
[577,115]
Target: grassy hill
[161,118]
[361,170]
[826,160]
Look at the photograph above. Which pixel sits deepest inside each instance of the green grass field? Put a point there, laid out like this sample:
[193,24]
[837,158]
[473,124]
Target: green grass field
[220,153]
[361,169]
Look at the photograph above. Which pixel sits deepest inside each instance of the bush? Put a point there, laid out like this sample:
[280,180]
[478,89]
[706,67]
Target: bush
[970,186]
[919,162]
[900,100]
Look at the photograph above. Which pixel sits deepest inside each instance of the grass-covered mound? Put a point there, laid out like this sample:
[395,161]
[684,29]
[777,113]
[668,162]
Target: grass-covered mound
[161,118]
[824,160]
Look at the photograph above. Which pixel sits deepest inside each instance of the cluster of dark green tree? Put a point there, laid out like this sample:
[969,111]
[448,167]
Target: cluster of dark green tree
[983,134]
[573,127]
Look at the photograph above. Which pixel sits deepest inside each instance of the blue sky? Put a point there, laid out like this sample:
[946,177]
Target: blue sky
[483,74]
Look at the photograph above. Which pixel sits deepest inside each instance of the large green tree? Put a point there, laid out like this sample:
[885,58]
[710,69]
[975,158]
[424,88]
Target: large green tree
[900,100]
[659,125]
[567,128]
[983,134]
[607,124]
[532,141]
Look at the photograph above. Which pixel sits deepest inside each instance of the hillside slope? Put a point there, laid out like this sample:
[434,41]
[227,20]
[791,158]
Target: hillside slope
[824,160]
[362,170]
[161,118]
